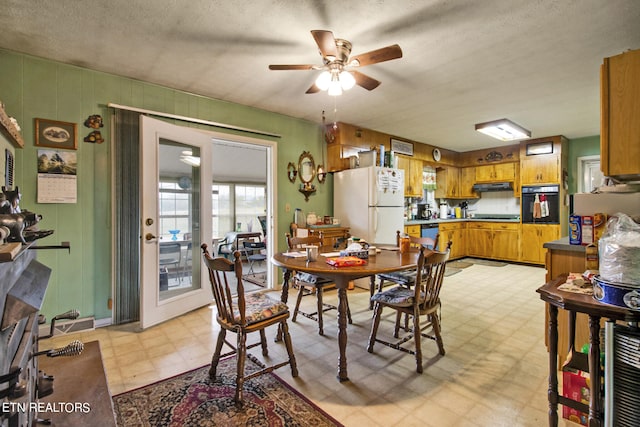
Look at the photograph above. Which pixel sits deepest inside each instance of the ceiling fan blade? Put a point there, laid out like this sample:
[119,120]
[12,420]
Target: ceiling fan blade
[326,43]
[365,81]
[313,89]
[379,55]
[291,67]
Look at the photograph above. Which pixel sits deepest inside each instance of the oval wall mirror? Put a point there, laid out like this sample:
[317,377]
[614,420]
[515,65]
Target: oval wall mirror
[306,167]
[291,172]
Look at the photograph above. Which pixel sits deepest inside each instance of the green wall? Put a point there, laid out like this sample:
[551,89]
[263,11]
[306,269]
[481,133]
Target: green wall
[32,87]
[580,147]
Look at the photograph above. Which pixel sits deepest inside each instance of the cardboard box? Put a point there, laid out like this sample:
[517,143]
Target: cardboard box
[575,387]
[586,228]
[599,226]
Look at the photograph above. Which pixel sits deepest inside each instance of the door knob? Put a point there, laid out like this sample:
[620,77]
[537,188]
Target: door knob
[149,236]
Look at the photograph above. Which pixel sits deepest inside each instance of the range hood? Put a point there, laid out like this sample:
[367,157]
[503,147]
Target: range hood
[493,186]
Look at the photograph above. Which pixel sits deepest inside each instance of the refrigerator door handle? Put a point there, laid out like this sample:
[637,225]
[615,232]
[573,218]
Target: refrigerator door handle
[375,221]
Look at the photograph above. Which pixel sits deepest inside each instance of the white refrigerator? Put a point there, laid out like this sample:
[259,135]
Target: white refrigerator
[370,201]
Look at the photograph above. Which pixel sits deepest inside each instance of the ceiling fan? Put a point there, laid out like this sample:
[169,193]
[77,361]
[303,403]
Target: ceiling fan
[339,69]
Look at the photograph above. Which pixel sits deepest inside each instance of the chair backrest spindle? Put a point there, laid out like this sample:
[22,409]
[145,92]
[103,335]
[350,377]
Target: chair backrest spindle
[221,288]
[430,275]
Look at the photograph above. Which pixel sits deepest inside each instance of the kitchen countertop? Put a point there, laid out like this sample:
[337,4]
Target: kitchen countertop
[564,245]
[441,221]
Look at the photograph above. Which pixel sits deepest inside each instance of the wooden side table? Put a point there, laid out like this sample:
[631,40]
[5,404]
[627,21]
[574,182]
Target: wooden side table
[578,303]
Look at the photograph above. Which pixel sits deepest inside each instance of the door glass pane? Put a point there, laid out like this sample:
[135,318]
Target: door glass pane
[179,219]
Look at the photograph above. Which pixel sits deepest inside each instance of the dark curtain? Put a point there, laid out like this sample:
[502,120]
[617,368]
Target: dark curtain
[127,216]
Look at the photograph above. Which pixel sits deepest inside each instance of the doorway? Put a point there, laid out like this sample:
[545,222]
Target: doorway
[174,189]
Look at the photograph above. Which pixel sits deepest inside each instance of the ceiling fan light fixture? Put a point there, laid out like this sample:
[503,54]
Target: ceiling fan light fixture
[323,80]
[504,130]
[335,88]
[347,81]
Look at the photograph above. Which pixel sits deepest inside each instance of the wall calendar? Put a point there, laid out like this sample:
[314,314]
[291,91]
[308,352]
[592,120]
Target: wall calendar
[57,176]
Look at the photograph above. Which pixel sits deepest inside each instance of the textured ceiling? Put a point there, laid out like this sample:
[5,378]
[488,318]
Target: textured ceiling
[465,61]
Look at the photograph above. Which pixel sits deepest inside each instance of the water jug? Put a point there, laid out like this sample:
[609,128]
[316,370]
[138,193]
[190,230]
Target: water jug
[299,219]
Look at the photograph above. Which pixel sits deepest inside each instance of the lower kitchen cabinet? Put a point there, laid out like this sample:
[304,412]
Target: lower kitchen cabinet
[412,230]
[506,241]
[495,240]
[456,233]
[533,237]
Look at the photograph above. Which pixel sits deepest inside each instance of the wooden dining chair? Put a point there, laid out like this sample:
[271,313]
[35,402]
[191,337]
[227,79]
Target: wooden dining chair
[309,284]
[242,315]
[407,277]
[421,302]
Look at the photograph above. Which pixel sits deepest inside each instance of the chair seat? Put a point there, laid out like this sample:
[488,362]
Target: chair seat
[405,278]
[257,257]
[398,296]
[258,307]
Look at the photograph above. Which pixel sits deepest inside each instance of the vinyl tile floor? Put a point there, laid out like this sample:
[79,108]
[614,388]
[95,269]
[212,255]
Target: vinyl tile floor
[494,372]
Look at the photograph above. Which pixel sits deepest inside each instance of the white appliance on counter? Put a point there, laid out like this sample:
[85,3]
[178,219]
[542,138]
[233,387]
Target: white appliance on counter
[370,201]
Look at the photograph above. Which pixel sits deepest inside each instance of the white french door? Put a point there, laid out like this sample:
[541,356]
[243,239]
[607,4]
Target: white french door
[173,279]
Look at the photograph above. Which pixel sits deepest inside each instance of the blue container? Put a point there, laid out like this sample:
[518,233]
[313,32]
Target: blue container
[575,229]
[618,294]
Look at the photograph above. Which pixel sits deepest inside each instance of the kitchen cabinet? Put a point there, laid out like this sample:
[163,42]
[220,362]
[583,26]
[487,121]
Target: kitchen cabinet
[533,237]
[465,183]
[412,175]
[479,239]
[412,230]
[500,172]
[506,241]
[619,112]
[447,183]
[543,168]
[456,233]
[495,240]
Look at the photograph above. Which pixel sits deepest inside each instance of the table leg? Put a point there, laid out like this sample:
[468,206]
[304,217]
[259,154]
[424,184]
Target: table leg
[284,296]
[342,332]
[595,409]
[553,365]
[372,287]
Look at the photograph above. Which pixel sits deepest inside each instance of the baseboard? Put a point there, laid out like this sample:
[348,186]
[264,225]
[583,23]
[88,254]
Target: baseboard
[69,326]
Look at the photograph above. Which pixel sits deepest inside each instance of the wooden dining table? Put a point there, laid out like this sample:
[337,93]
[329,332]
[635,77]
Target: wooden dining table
[386,261]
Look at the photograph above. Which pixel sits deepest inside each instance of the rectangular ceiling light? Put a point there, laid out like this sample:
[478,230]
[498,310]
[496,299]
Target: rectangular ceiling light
[504,130]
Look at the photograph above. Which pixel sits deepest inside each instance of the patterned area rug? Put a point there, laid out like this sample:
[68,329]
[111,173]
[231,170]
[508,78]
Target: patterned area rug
[459,264]
[450,271]
[485,262]
[191,399]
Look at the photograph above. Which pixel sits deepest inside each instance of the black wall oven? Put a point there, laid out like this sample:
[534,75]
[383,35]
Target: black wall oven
[541,204]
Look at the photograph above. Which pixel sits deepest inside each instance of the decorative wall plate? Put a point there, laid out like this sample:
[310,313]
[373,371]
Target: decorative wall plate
[436,155]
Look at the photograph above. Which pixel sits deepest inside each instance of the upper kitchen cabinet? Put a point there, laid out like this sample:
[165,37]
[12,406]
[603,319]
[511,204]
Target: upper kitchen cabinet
[499,172]
[619,112]
[543,160]
[455,183]
[465,183]
[412,175]
[447,183]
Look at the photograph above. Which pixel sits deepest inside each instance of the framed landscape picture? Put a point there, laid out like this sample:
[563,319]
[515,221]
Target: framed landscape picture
[56,134]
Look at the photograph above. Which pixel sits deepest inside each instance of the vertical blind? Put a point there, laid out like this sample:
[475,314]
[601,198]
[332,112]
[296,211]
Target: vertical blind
[127,216]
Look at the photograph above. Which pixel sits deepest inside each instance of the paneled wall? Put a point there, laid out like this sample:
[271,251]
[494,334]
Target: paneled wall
[32,87]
